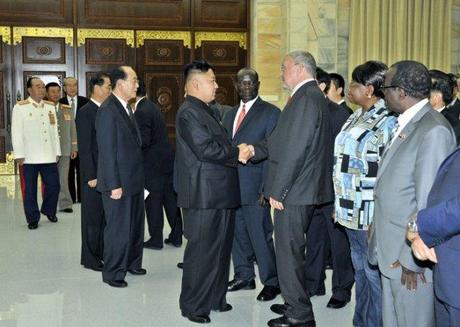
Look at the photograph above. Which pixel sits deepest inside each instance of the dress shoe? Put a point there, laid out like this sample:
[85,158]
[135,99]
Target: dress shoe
[238,284]
[138,271]
[279,309]
[68,210]
[225,308]
[268,293]
[169,242]
[33,225]
[95,268]
[53,219]
[200,319]
[336,304]
[291,322]
[150,245]
[180,265]
[116,283]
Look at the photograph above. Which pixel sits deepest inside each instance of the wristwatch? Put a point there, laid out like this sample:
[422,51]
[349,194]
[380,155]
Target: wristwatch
[412,224]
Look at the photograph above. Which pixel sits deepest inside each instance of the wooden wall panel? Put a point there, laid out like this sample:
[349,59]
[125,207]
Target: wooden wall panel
[2,104]
[42,12]
[106,52]
[226,93]
[3,149]
[221,53]
[163,52]
[43,50]
[221,13]
[134,13]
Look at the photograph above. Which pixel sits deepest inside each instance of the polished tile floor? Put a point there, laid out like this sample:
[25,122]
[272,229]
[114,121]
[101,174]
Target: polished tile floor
[43,285]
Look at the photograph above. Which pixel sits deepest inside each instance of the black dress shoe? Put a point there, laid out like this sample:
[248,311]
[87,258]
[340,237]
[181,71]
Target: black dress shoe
[175,244]
[149,245]
[68,210]
[138,271]
[53,219]
[268,293]
[279,309]
[180,265]
[336,304]
[33,225]
[238,284]
[95,268]
[291,322]
[200,319]
[116,283]
[225,308]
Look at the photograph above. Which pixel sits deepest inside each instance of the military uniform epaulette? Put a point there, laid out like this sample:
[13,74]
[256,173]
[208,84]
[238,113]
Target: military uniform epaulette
[49,102]
[23,102]
[65,106]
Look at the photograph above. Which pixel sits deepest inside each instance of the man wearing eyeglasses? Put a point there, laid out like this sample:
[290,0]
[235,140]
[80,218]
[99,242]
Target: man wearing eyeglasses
[406,173]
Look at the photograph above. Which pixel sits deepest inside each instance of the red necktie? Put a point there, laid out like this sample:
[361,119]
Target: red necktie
[240,118]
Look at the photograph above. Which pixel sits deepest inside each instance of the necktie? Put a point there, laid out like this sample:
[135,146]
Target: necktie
[240,118]
[72,105]
[130,112]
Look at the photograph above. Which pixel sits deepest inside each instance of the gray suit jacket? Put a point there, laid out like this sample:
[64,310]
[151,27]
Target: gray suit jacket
[405,176]
[67,129]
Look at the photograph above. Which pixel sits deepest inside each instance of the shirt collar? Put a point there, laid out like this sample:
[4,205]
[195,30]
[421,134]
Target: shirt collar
[123,102]
[340,102]
[97,103]
[298,86]
[69,99]
[248,104]
[407,115]
[36,104]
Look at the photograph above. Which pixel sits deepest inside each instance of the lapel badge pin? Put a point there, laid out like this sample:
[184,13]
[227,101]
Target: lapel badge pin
[402,136]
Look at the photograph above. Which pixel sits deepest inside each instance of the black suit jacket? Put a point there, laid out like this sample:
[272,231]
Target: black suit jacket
[81,101]
[120,154]
[452,114]
[345,106]
[338,115]
[300,164]
[205,175]
[87,142]
[157,151]
[256,126]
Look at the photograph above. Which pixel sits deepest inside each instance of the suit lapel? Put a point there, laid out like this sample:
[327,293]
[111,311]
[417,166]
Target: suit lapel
[250,115]
[132,125]
[231,119]
[401,138]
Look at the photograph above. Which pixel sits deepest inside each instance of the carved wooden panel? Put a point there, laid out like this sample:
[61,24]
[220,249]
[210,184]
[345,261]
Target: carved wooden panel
[226,93]
[2,149]
[1,49]
[163,52]
[221,13]
[2,103]
[221,53]
[134,13]
[43,50]
[167,90]
[32,11]
[106,52]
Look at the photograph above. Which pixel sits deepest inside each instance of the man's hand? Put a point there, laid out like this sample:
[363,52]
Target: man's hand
[92,183]
[245,153]
[409,277]
[276,204]
[73,154]
[19,161]
[421,251]
[116,193]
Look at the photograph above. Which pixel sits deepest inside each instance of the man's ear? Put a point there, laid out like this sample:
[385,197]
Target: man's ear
[339,90]
[322,86]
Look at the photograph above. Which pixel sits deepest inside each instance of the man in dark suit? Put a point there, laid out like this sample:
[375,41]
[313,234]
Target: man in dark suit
[250,122]
[336,91]
[298,180]
[75,102]
[92,211]
[120,179]
[323,234]
[435,235]
[206,181]
[158,168]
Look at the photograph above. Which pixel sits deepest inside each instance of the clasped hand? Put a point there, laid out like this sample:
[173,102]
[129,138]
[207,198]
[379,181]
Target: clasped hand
[246,152]
[419,248]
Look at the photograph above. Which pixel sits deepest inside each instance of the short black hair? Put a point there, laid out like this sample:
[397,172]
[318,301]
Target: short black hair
[372,72]
[97,79]
[29,81]
[116,75]
[413,77]
[339,82]
[454,78]
[443,83]
[52,84]
[197,66]
[141,91]
[323,77]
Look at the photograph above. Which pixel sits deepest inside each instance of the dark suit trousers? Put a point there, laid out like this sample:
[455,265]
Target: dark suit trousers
[74,179]
[209,233]
[446,315]
[167,198]
[254,236]
[123,235]
[291,225]
[50,180]
[92,227]
[322,231]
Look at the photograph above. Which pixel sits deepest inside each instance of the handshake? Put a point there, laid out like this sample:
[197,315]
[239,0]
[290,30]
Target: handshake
[246,152]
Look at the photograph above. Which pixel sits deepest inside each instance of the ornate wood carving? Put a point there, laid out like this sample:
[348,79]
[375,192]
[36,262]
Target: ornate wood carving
[2,103]
[85,33]
[106,52]
[185,36]
[220,36]
[20,32]
[5,34]
[36,12]
[221,13]
[163,52]
[226,93]
[43,50]
[221,53]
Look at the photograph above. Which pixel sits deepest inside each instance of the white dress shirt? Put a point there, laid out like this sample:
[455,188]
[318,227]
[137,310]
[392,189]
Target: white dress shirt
[247,107]
[407,116]
[298,86]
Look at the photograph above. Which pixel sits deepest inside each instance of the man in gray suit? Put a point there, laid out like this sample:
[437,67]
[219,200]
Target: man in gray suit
[68,139]
[407,170]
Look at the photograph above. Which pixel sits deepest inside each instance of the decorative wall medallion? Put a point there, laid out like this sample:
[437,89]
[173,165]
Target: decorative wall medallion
[163,52]
[44,51]
[164,96]
[106,51]
[219,53]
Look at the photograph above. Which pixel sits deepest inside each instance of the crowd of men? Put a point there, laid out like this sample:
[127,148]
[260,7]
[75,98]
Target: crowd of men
[232,167]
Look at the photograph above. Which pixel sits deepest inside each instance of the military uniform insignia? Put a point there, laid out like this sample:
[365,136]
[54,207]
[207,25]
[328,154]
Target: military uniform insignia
[52,118]
[67,116]
[23,102]
[48,102]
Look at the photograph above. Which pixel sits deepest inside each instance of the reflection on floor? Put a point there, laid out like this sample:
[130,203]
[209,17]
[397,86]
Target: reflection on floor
[45,286]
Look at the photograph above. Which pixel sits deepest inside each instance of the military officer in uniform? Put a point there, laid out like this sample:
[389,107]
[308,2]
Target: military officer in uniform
[68,140]
[36,149]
